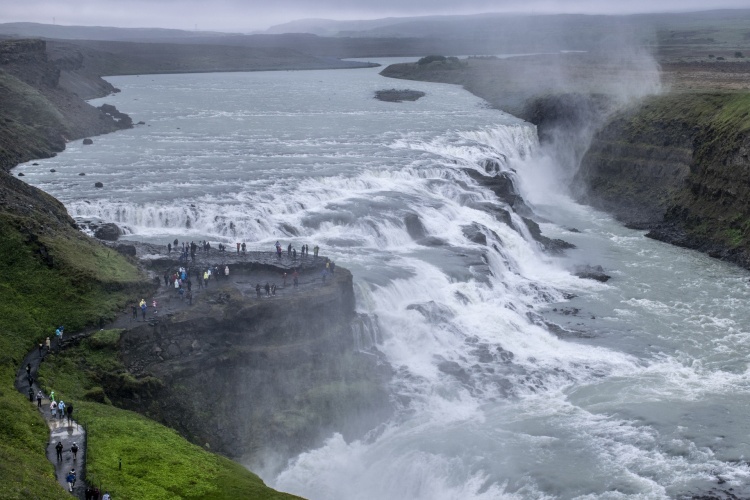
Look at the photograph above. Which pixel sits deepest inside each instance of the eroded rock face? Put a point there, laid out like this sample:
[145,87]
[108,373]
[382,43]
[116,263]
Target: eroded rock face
[677,165]
[251,375]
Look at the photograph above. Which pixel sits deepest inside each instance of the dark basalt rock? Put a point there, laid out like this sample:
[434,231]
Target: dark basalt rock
[394,95]
[122,120]
[592,273]
[88,141]
[504,188]
[414,227]
[473,233]
[108,232]
[128,250]
[52,170]
[551,245]
[20,174]
[81,174]
[492,166]
[98,184]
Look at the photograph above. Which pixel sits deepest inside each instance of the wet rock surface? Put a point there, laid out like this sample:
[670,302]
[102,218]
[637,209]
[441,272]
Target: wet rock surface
[591,273]
[394,95]
[108,232]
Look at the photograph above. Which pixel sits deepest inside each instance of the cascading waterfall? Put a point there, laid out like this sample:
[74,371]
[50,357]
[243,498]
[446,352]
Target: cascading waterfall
[451,288]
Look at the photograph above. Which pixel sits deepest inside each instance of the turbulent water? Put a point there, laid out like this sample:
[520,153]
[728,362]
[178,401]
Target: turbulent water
[643,392]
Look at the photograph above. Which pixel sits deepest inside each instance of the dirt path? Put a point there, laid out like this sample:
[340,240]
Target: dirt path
[62,430]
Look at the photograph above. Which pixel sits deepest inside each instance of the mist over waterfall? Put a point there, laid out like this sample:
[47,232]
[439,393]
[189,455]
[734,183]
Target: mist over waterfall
[512,378]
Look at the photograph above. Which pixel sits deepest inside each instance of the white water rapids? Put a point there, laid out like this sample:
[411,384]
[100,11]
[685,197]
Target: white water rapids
[643,395]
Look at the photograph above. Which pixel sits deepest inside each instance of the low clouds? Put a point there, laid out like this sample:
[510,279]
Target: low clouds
[244,16]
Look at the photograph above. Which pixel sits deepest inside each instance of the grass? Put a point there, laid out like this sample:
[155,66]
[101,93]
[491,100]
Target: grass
[159,464]
[36,296]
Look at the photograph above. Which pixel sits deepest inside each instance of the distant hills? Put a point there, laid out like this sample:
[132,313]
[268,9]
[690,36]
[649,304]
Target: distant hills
[694,34]
[38,30]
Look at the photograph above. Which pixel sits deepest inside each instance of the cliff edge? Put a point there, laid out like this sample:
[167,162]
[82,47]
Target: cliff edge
[257,375]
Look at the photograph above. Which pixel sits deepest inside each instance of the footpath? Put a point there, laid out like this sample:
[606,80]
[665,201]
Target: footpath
[62,430]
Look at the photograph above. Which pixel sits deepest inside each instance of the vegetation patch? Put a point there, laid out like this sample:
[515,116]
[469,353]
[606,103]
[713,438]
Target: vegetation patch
[157,463]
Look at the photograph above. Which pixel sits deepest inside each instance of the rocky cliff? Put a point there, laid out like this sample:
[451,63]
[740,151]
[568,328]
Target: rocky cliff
[39,115]
[254,377]
[678,165]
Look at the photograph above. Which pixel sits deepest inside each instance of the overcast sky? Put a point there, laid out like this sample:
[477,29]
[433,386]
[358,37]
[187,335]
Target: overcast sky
[248,15]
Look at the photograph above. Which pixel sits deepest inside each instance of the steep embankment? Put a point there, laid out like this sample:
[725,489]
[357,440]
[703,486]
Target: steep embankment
[678,164]
[38,115]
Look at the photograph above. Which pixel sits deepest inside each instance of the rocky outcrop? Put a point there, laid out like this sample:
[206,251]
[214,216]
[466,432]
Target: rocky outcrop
[395,95]
[679,166]
[108,232]
[251,375]
[38,115]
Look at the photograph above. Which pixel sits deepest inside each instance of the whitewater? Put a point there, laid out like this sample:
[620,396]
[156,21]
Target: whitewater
[513,378]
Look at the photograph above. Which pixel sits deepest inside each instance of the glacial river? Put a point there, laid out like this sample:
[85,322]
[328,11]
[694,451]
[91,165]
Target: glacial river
[644,392]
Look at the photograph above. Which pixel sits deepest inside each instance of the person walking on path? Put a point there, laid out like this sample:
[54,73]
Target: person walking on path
[106,496]
[59,337]
[53,409]
[31,394]
[59,449]
[71,479]
[74,450]
[39,397]
[69,411]
[48,344]
[61,409]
